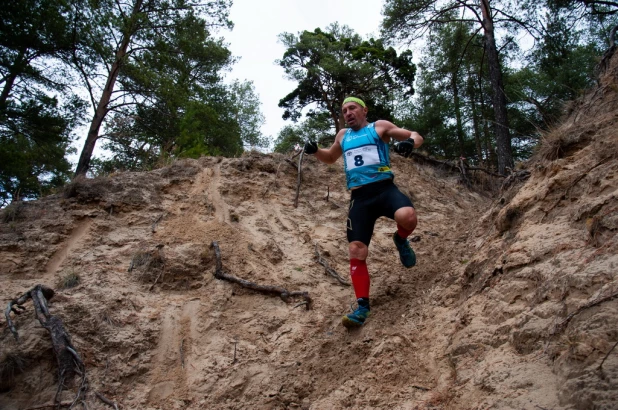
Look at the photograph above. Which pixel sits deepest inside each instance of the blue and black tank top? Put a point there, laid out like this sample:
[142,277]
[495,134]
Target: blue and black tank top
[365,157]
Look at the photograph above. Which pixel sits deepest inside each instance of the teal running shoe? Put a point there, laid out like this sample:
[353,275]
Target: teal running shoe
[406,254]
[357,318]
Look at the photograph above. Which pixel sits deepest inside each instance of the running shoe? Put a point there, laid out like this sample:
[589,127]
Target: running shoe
[357,318]
[406,254]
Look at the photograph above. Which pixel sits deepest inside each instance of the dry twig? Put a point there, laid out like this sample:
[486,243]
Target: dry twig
[327,267]
[283,293]
[106,400]
[327,199]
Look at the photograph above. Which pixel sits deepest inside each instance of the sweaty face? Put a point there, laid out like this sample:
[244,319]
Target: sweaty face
[354,114]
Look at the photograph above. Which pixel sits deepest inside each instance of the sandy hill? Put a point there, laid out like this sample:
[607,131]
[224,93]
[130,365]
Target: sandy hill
[513,304]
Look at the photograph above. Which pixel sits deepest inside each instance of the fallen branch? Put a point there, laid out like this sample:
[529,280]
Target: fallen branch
[67,358]
[562,325]
[449,165]
[327,267]
[299,179]
[283,293]
[106,400]
[327,199]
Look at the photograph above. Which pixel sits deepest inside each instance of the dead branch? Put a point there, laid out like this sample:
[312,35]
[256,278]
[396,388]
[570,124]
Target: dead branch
[606,356]
[156,280]
[562,325]
[154,224]
[299,179]
[283,293]
[67,358]
[327,199]
[297,153]
[106,400]
[456,168]
[327,267]
[514,177]
[292,164]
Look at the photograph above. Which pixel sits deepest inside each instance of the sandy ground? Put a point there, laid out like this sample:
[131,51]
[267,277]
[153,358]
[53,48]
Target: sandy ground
[513,303]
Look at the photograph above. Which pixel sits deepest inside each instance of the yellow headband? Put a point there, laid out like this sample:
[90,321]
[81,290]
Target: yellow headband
[356,100]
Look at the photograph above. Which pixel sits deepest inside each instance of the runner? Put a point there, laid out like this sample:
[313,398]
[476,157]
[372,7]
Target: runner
[367,168]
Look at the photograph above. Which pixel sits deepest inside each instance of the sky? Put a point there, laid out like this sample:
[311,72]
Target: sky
[254,40]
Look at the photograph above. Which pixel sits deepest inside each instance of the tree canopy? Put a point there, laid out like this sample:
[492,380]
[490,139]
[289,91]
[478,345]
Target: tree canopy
[333,64]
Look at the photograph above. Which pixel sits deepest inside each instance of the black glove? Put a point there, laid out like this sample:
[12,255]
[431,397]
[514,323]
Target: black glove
[405,148]
[311,147]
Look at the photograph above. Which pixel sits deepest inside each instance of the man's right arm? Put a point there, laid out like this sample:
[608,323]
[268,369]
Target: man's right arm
[332,154]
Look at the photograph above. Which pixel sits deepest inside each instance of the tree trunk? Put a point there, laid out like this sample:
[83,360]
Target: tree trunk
[460,138]
[475,120]
[16,69]
[102,107]
[503,137]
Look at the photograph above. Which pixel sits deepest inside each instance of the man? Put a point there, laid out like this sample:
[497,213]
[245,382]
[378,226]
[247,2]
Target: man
[367,167]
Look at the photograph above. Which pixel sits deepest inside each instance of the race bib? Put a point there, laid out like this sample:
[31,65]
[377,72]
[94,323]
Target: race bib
[360,157]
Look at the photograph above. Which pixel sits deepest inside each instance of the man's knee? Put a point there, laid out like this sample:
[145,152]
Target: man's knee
[406,217]
[358,250]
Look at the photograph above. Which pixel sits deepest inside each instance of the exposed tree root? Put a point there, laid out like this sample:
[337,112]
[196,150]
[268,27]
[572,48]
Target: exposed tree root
[283,293]
[575,181]
[299,178]
[106,400]
[67,358]
[327,267]
[50,405]
[562,325]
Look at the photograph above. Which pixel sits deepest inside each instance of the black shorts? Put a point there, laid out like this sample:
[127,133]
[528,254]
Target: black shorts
[370,202]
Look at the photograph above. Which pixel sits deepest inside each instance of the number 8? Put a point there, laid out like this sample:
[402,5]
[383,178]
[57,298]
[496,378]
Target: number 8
[358,160]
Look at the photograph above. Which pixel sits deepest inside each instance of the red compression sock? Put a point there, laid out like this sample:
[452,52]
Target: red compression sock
[360,278]
[402,232]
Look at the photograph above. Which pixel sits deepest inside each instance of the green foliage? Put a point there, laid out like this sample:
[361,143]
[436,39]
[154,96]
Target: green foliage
[158,57]
[333,64]
[34,139]
[317,127]
[188,112]
[34,126]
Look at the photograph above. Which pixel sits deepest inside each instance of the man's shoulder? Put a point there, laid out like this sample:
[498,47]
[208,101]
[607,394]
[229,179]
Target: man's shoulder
[340,134]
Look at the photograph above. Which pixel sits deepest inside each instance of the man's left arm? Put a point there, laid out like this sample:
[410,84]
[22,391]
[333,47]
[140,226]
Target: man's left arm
[387,130]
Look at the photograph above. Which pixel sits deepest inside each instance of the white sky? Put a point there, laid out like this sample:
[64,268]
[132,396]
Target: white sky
[254,39]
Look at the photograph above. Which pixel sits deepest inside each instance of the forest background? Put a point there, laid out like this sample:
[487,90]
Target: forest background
[145,80]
